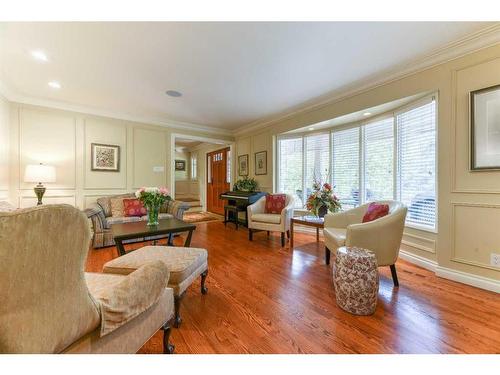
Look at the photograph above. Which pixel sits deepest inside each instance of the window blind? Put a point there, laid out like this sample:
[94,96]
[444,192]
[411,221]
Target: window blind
[290,168]
[317,159]
[416,179]
[378,142]
[345,166]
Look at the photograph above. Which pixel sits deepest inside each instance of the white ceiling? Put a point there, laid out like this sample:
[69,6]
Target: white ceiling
[230,74]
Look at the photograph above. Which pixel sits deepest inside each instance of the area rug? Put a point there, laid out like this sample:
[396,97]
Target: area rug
[201,217]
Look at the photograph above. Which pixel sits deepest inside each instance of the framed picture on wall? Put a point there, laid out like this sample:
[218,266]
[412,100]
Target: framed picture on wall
[180,165]
[243,165]
[105,158]
[261,163]
[485,129]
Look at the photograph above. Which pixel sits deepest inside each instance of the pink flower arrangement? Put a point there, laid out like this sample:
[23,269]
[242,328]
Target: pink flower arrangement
[153,196]
[322,199]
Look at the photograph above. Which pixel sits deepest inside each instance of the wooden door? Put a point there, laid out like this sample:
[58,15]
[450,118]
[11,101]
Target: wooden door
[217,179]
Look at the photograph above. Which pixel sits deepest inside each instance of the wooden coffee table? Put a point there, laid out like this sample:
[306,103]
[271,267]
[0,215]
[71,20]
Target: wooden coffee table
[140,229]
[309,221]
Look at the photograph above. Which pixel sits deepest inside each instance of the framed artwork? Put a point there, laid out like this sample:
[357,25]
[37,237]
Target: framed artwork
[105,158]
[180,165]
[243,165]
[261,163]
[485,129]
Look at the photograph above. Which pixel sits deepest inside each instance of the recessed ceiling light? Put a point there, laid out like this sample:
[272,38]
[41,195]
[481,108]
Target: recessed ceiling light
[39,55]
[367,114]
[310,128]
[173,93]
[54,84]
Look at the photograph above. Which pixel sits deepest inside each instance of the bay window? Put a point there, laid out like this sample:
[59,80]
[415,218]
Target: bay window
[345,166]
[378,152]
[389,157]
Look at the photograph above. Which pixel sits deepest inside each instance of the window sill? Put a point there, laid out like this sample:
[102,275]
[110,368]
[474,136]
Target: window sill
[422,228]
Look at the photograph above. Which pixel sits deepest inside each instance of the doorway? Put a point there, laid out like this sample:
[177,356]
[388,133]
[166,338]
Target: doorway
[218,178]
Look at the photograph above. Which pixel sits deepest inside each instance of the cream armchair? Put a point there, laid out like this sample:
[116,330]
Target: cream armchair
[383,236]
[49,305]
[258,219]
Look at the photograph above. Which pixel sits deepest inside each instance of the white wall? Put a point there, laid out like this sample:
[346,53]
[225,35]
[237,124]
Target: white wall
[4,149]
[63,139]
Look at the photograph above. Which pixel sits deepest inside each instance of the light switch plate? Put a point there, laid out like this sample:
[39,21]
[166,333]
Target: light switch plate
[158,169]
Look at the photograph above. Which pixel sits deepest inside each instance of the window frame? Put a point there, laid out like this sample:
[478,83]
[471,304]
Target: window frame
[361,125]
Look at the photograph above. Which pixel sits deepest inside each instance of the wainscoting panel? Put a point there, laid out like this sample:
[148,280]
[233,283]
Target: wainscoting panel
[30,201]
[413,241]
[475,233]
[465,80]
[48,137]
[105,132]
[149,158]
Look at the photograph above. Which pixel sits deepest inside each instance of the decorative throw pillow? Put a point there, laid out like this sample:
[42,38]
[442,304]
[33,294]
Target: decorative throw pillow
[117,207]
[133,207]
[375,211]
[275,203]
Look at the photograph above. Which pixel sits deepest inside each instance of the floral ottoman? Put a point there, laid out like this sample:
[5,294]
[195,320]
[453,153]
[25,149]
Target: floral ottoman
[355,277]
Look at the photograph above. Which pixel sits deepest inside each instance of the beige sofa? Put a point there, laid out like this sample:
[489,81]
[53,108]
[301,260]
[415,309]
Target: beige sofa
[383,236]
[259,220]
[101,216]
[49,305]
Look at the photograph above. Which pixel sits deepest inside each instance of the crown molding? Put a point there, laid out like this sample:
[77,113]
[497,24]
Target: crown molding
[484,38]
[11,96]
[481,39]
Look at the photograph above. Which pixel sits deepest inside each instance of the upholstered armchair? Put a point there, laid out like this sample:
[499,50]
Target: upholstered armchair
[383,235]
[258,220]
[49,305]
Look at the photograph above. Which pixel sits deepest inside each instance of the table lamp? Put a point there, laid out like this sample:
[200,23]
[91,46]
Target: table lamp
[39,173]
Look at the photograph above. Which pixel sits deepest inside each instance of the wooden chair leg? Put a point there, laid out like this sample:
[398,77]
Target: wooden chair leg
[204,289]
[394,275]
[268,233]
[250,234]
[288,233]
[327,255]
[177,307]
[168,348]
[282,239]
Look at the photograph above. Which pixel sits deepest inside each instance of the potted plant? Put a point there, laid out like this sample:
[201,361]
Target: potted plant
[246,184]
[152,198]
[322,199]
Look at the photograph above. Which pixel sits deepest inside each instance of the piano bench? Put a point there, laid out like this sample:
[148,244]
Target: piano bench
[235,210]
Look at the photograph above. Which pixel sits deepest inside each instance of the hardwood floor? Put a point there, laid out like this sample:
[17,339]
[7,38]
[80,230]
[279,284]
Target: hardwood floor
[266,299]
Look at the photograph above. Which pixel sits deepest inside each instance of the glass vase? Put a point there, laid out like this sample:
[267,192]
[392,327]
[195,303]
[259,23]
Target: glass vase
[153,214]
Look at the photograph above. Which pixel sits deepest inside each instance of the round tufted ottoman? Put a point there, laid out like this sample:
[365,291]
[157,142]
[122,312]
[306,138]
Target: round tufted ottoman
[355,277]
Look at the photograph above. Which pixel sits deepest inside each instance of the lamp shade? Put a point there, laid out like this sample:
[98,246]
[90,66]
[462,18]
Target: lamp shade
[40,173]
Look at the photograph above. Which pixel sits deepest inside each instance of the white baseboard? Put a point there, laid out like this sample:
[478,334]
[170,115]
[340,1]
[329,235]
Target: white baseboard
[428,264]
[448,273]
[469,279]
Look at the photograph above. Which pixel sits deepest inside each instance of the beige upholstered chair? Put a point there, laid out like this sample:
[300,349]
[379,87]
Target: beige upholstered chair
[49,305]
[383,236]
[259,220]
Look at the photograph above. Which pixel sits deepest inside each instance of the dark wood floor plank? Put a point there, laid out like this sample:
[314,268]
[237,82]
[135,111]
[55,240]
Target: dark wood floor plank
[267,299]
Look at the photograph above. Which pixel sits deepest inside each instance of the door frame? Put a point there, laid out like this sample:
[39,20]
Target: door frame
[227,150]
[217,142]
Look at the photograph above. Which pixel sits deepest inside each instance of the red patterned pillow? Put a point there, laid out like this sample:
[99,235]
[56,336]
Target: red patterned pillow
[275,203]
[375,211]
[133,207]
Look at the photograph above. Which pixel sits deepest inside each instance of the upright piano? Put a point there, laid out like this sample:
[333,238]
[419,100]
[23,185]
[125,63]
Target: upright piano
[242,199]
